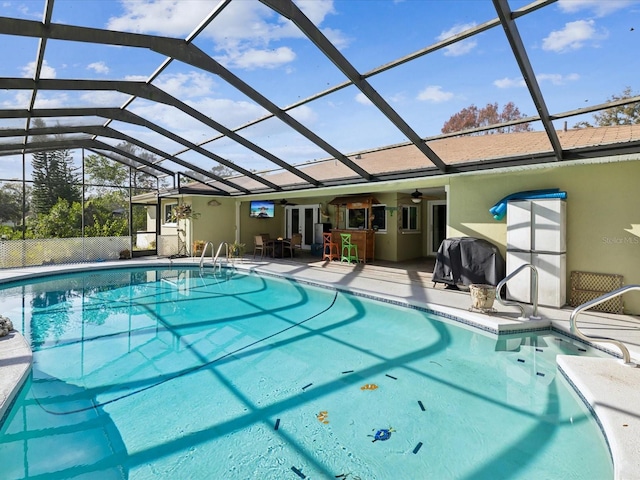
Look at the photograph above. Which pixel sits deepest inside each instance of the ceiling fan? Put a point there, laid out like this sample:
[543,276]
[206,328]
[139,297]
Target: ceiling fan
[417,197]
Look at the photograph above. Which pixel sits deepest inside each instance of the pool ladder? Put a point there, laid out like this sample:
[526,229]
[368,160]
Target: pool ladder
[534,292]
[626,356]
[214,258]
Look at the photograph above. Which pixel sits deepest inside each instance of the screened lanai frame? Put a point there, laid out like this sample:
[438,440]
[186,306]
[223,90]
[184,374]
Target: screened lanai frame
[245,145]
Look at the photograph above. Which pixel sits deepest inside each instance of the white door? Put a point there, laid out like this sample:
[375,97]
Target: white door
[437,224]
[301,219]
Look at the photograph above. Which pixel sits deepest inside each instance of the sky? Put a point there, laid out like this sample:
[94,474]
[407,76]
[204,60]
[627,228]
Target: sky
[582,52]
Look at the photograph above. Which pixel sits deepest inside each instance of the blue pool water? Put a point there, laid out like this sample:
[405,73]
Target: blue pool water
[149,374]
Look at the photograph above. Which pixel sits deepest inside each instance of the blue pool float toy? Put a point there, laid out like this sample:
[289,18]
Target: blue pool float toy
[499,210]
[383,434]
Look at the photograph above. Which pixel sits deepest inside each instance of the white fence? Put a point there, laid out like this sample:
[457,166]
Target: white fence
[25,253]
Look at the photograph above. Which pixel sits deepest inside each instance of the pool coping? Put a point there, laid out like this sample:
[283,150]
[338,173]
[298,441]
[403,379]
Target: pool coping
[608,388]
[15,363]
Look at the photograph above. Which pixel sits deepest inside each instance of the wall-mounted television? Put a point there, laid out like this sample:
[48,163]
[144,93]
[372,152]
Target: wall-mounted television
[261,209]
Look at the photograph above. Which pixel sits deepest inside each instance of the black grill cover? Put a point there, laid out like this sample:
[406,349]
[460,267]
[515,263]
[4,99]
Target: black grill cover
[467,260]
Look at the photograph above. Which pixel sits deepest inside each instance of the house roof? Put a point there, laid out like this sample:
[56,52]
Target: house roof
[180,137]
[466,153]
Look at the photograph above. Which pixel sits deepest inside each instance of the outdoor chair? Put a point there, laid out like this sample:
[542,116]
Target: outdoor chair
[262,245]
[329,248]
[295,243]
[349,250]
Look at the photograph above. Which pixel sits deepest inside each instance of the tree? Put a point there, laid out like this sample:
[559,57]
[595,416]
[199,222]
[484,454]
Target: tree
[11,202]
[141,182]
[106,215]
[103,173]
[53,178]
[628,114]
[223,171]
[64,220]
[473,117]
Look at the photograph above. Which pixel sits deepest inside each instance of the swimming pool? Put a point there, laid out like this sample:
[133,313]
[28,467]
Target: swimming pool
[190,374]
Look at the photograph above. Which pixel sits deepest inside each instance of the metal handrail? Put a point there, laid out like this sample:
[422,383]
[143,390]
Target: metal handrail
[626,356]
[204,252]
[214,258]
[534,292]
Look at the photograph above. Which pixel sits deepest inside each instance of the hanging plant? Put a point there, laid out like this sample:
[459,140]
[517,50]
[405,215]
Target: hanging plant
[183,212]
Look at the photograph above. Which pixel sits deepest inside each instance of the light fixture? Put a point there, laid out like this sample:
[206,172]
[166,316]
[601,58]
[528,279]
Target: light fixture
[283,202]
[416,197]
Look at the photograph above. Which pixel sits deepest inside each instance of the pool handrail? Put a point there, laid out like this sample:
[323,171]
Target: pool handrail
[534,292]
[626,356]
[204,252]
[214,257]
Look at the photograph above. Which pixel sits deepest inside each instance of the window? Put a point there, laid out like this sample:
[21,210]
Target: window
[357,218]
[379,222]
[409,218]
[168,208]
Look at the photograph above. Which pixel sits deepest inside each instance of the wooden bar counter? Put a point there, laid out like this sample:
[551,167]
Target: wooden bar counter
[364,239]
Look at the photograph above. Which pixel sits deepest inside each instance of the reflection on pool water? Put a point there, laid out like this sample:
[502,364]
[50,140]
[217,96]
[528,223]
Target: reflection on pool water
[190,374]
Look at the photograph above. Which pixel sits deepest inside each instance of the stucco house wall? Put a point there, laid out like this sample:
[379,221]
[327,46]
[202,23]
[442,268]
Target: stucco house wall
[216,222]
[603,214]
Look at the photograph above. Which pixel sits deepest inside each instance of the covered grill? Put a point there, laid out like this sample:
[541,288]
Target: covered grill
[467,260]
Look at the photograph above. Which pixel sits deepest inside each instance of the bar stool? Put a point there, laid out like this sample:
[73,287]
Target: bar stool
[329,248]
[350,248]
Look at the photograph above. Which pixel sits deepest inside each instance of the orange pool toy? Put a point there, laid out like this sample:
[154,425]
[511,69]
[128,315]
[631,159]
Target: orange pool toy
[369,386]
[322,416]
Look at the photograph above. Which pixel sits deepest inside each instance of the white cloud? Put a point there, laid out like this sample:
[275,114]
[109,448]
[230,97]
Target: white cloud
[51,100]
[337,37]
[434,93]
[166,116]
[557,79]
[362,99]
[164,17]
[190,85]
[572,37]
[316,10]
[554,78]
[21,100]
[29,70]
[398,97]
[228,112]
[136,78]
[459,48]
[243,33]
[104,98]
[599,7]
[252,58]
[304,114]
[98,67]
[509,82]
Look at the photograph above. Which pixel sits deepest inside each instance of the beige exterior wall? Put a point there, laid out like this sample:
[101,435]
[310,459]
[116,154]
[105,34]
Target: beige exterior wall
[603,214]
[215,223]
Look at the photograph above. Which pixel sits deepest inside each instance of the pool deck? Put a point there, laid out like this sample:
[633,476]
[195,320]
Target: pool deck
[611,388]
